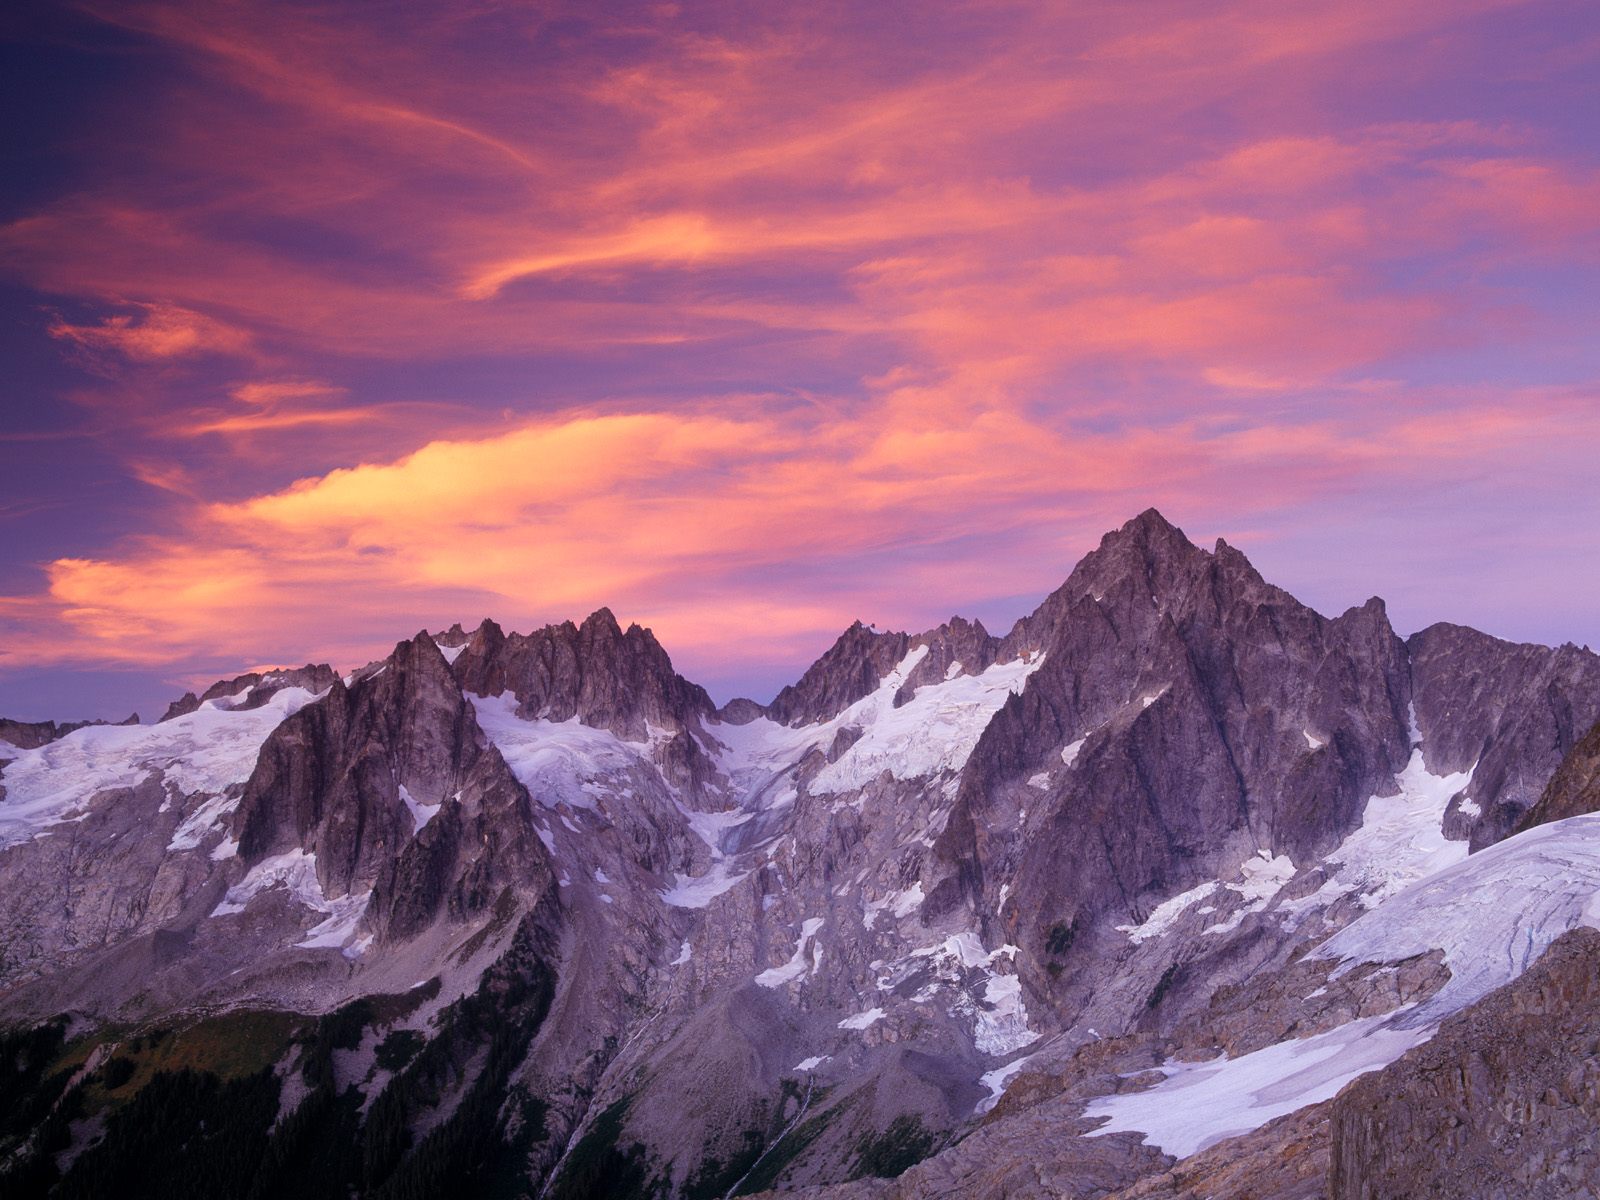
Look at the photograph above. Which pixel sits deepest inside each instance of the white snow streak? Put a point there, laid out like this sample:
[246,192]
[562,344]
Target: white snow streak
[1399,842]
[1165,914]
[805,960]
[1200,1104]
[932,732]
[421,813]
[862,1020]
[997,1080]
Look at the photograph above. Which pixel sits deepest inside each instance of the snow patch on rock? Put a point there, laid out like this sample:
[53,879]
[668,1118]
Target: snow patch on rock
[202,822]
[1166,914]
[902,904]
[557,761]
[296,871]
[421,813]
[862,1020]
[698,891]
[1492,914]
[1400,841]
[1001,1021]
[205,752]
[963,970]
[996,1080]
[932,732]
[806,959]
[1262,877]
[1200,1104]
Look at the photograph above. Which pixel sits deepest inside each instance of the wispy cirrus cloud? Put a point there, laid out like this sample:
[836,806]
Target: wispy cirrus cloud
[742,320]
[705,525]
[154,332]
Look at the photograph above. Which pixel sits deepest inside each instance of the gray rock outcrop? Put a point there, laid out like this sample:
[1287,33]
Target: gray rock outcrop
[1502,1104]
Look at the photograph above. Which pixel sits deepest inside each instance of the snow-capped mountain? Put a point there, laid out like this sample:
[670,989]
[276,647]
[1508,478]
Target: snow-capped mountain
[1115,904]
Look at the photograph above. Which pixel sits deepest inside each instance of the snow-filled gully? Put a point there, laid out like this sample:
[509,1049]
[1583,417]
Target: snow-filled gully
[1492,915]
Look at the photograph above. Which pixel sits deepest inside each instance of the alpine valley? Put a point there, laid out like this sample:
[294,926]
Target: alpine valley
[1177,889]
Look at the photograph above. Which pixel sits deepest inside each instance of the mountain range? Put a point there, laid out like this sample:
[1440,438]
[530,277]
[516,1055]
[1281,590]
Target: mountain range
[1178,888]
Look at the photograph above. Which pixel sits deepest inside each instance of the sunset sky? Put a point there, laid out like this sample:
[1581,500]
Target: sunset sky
[327,322]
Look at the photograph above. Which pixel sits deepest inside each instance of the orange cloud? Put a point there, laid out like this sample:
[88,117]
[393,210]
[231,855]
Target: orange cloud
[739,320]
[704,525]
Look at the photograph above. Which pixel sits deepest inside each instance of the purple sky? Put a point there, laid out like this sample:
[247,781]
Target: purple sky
[325,323]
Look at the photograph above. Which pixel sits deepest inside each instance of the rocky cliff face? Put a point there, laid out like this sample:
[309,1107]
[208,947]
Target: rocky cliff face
[856,665]
[608,678]
[1506,713]
[30,735]
[1187,717]
[392,788]
[946,904]
[1502,1104]
[253,689]
[1574,789]
[598,674]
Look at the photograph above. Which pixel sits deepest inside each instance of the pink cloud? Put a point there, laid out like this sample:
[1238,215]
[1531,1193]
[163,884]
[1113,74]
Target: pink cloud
[1051,264]
[676,519]
[154,332]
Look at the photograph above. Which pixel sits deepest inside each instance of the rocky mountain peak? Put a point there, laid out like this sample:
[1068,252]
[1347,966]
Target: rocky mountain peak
[390,787]
[1503,711]
[254,688]
[453,637]
[1151,551]
[344,760]
[741,710]
[600,622]
[487,638]
[862,657]
[1148,573]
[1149,538]
[958,647]
[30,735]
[605,676]
[1103,843]
[1148,528]
[849,669]
[419,652]
[1232,561]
